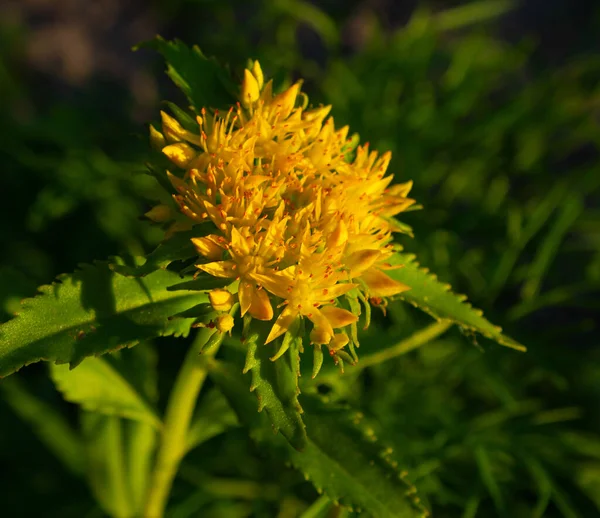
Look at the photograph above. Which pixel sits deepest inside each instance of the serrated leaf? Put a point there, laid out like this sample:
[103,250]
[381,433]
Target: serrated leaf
[435,298]
[98,386]
[204,82]
[14,286]
[177,248]
[91,312]
[348,463]
[340,458]
[276,382]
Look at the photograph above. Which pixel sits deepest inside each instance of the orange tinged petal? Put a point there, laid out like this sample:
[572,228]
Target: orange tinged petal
[338,317]
[261,307]
[381,285]
[360,261]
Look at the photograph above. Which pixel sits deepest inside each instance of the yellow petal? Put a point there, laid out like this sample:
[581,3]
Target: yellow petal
[180,154]
[175,132]
[360,261]
[261,307]
[208,248]
[333,292]
[277,282]
[258,74]
[225,269]
[400,189]
[285,101]
[319,336]
[320,321]
[239,243]
[381,285]
[338,342]
[282,324]
[250,89]
[220,300]
[160,213]
[157,139]
[245,296]
[224,323]
[338,317]
[339,236]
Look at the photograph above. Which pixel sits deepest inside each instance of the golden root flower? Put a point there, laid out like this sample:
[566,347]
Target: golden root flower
[304,229]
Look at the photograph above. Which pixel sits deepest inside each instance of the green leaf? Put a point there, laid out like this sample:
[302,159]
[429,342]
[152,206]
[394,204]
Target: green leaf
[340,457]
[177,248]
[212,417]
[46,422]
[345,460]
[106,463]
[204,82]
[98,386]
[140,444]
[435,298]
[276,381]
[139,366]
[91,312]
[14,286]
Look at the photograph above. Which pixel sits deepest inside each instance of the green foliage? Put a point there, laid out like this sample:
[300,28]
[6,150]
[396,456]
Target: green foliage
[97,386]
[202,80]
[430,295]
[91,312]
[276,382]
[340,457]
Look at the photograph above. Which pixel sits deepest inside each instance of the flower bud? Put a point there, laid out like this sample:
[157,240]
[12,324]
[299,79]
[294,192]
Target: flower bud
[180,154]
[258,74]
[157,139]
[224,323]
[320,336]
[160,214]
[250,91]
[221,300]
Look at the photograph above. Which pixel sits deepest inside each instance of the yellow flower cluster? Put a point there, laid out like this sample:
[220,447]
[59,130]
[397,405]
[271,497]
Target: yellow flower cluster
[295,222]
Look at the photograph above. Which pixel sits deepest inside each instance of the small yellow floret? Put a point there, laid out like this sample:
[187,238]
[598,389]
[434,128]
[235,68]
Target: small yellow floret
[220,300]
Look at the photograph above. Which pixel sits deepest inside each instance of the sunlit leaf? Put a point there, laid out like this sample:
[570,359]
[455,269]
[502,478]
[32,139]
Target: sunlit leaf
[91,312]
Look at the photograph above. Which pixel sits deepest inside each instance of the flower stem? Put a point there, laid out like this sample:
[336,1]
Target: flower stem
[412,342]
[180,409]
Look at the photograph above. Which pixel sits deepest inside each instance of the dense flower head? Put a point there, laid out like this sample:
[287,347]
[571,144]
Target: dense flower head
[305,229]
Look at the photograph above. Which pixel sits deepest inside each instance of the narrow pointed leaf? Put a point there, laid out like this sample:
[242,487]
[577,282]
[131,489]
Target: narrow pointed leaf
[91,312]
[435,298]
[106,463]
[98,386]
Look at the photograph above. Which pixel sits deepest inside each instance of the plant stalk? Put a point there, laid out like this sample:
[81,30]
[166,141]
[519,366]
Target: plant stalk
[180,409]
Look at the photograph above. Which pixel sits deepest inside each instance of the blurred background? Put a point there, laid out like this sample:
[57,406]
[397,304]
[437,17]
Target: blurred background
[491,107]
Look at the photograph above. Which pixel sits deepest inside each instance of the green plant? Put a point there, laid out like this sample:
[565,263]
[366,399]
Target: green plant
[279,208]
